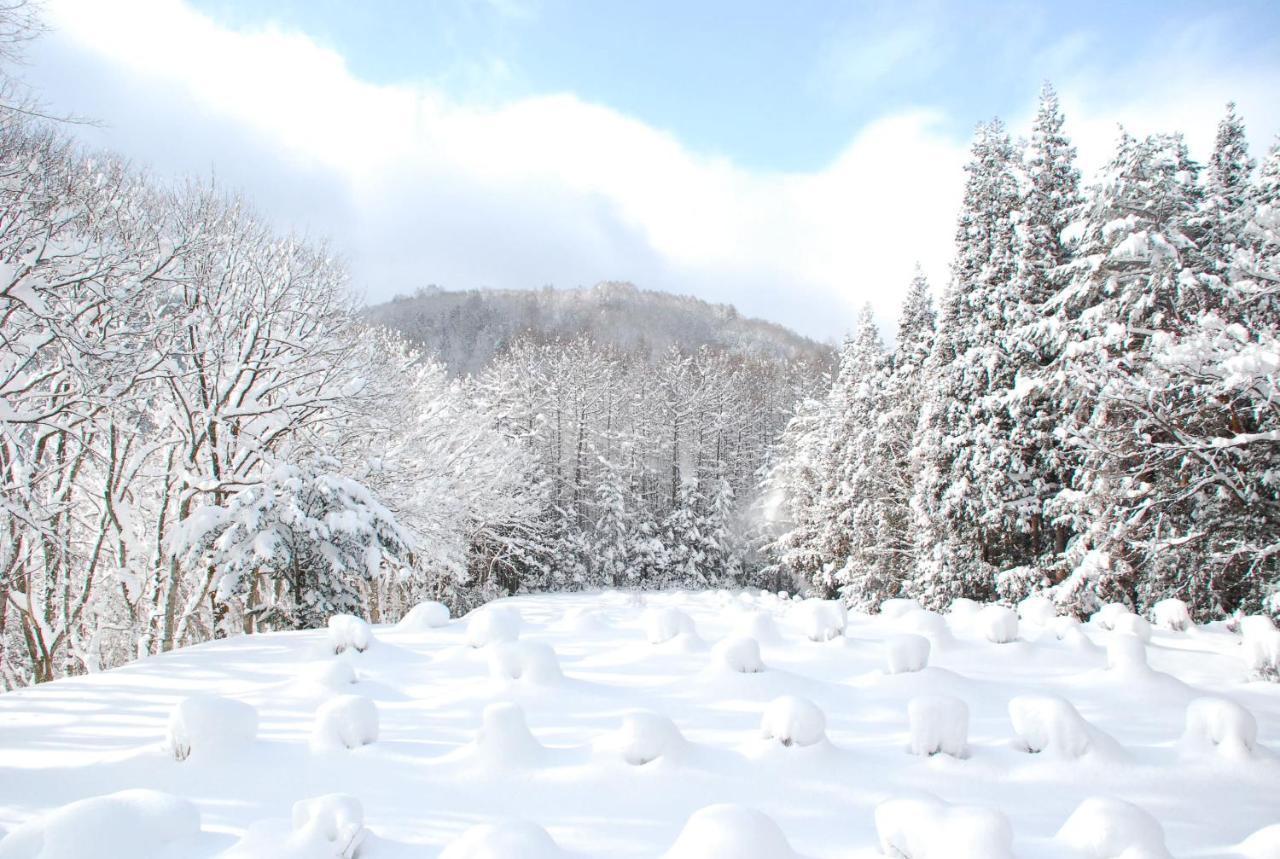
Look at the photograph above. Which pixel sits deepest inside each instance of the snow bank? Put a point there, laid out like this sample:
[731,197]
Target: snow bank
[334,823]
[345,722]
[1104,828]
[738,654]
[129,823]
[821,620]
[645,737]
[730,832]
[530,661]
[1049,725]
[491,624]
[210,726]
[1219,726]
[939,725]
[513,839]
[1131,624]
[999,623]
[1125,652]
[793,721]
[425,615]
[905,653]
[1037,611]
[1172,614]
[663,624]
[504,738]
[346,631]
[932,829]
[895,608]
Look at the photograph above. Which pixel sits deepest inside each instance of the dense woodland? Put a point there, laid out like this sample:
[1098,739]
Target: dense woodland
[203,434]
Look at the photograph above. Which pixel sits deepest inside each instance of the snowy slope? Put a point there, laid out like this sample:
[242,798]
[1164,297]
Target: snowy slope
[830,765]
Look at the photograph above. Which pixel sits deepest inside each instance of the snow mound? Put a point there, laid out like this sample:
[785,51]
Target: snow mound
[645,737]
[129,823]
[730,832]
[348,632]
[1219,726]
[821,620]
[999,623]
[1050,725]
[345,722]
[1263,844]
[1172,614]
[492,624]
[1252,625]
[930,624]
[332,674]
[530,661]
[939,725]
[741,655]
[1126,652]
[1105,828]
[1105,617]
[932,829]
[759,625]
[664,624]
[895,608]
[334,823]
[1037,611]
[210,726]
[504,738]
[584,619]
[425,615]
[1262,651]
[964,608]
[513,839]
[905,652]
[1132,624]
[793,721]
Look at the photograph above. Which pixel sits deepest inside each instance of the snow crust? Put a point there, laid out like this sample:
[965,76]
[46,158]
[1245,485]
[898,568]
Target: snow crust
[206,727]
[905,652]
[345,722]
[1109,828]
[939,725]
[927,828]
[727,831]
[793,721]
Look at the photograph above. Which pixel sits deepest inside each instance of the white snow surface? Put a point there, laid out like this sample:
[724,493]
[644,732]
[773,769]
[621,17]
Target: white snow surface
[456,750]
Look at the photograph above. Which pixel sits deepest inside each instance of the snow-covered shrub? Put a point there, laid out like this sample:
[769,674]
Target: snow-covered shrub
[741,655]
[1171,614]
[531,661]
[663,624]
[1050,725]
[1131,624]
[1262,654]
[345,722]
[999,623]
[905,652]
[963,608]
[793,721]
[128,823]
[333,674]
[349,632]
[645,737]
[511,839]
[334,822]
[930,624]
[927,828]
[1105,828]
[895,608]
[821,620]
[759,625]
[1105,617]
[492,623]
[425,615]
[939,725]
[1219,726]
[1037,611]
[504,738]
[210,726]
[1125,652]
[730,832]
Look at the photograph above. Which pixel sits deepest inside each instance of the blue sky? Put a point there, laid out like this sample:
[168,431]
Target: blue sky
[795,159]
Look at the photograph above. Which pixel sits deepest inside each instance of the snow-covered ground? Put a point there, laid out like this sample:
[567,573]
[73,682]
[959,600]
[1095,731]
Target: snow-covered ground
[569,732]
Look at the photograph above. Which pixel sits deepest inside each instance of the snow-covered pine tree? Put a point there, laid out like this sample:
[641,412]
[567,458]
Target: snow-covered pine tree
[1219,224]
[614,535]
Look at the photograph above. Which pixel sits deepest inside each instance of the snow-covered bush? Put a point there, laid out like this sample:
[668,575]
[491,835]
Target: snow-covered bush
[1172,614]
[1262,654]
[1105,617]
[730,832]
[963,608]
[511,839]
[348,632]
[492,623]
[335,674]
[334,822]
[1219,726]
[759,625]
[820,620]
[504,738]
[425,615]
[1106,828]
[664,624]
[1125,652]
[927,828]
[939,725]
[905,652]
[1131,624]
[1050,725]
[793,721]
[531,661]
[930,624]
[128,823]
[645,737]
[1037,611]
[741,655]
[345,722]
[999,623]
[1252,625]
[897,607]
[210,726]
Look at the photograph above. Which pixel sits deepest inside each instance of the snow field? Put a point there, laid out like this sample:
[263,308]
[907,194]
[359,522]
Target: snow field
[939,725]
[793,721]
[928,828]
[208,726]
[905,652]
[349,632]
[345,722]
[1108,828]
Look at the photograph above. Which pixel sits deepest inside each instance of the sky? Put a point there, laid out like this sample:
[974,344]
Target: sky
[793,159]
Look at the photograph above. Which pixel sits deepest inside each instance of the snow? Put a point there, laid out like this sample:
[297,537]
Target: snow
[632,740]
[730,832]
[1105,617]
[347,631]
[821,620]
[529,661]
[129,823]
[345,722]
[204,727]
[793,721]
[741,655]
[1261,647]
[1037,611]
[1263,844]
[894,608]
[905,652]
[512,839]
[999,623]
[1109,828]
[322,827]
[1126,652]
[939,725]
[492,624]
[1172,614]
[665,624]
[927,828]
[1131,624]
[425,615]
